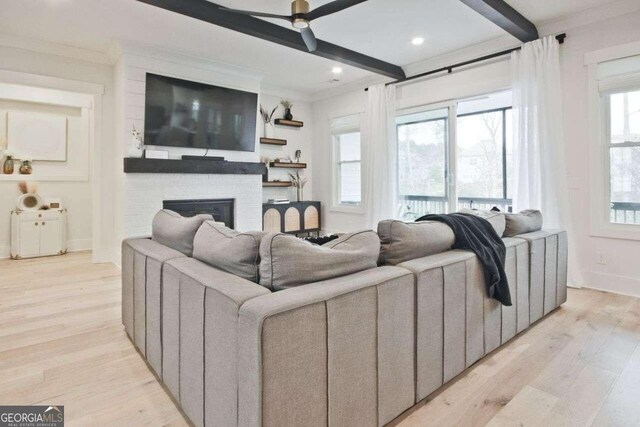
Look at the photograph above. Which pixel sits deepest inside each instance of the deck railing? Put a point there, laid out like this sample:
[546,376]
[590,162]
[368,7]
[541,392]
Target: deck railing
[415,206]
[625,213]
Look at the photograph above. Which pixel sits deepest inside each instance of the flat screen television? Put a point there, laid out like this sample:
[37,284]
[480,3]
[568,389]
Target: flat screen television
[180,113]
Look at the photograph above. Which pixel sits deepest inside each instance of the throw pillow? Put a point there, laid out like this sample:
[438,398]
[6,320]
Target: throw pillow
[228,250]
[175,231]
[523,222]
[403,241]
[287,261]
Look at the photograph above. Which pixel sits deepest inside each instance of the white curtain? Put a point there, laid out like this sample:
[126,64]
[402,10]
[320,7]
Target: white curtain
[539,148]
[379,154]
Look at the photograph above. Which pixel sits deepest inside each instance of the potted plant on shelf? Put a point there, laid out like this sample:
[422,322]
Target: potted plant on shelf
[266,119]
[298,183]
[287,105]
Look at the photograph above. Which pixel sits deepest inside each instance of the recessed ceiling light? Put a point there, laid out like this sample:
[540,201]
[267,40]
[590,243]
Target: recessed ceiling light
[336,70]
[417,41]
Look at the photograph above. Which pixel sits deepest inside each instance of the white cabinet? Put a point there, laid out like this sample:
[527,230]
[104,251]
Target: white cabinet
[38,233]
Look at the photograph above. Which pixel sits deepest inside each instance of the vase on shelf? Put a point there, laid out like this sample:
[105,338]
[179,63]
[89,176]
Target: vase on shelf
[26,168]
[299,194]
[287,114]
[268,130]
[135,145]
[7,167]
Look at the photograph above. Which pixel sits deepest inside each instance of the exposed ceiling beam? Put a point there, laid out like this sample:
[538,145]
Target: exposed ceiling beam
[506,17]
[210,12]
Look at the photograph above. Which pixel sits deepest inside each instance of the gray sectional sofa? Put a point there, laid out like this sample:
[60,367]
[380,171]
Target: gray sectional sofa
[356,349]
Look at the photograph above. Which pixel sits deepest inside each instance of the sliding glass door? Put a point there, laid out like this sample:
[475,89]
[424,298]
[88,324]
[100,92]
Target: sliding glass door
[455,155]
[423,162]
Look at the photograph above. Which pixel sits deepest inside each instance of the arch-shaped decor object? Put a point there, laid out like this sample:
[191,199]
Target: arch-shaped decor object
[311,218]
[271,221]
[291,220]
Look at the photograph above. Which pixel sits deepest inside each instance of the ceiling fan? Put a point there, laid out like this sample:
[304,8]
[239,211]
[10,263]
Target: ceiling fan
[301,17]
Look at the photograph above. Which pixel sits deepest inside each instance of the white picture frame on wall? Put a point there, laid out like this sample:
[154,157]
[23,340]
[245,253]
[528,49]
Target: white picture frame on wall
[41,137]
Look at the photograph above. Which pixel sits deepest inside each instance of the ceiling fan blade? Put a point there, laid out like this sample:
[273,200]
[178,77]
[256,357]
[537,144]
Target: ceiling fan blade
[309,38]
[257,14]
[333,7]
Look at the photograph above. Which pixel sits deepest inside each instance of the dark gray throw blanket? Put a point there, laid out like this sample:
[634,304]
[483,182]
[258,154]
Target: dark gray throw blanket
[476,234]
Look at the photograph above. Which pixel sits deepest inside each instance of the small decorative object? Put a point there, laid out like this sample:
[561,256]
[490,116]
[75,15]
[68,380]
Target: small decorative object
[30,200]
[266,160]
[287,109]
[53,203]
[25,167]
[297,156]
[267,120]
[7,167]
[298,183]
[156,154]
[135,146]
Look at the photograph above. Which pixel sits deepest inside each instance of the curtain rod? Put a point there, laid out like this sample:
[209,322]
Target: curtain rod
[449,69]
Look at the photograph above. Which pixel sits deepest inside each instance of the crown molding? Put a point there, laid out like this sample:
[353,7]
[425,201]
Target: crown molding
[120,48]
[285,93]
[588,16]
[56,49]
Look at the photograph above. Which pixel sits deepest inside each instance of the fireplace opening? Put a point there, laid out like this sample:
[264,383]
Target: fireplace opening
[220,209]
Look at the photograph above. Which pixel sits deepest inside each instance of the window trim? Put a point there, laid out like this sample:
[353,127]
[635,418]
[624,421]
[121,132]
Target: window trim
[599,164]
[336,204]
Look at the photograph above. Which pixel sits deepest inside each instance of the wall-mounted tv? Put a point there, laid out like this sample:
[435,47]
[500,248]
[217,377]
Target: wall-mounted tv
[180,113]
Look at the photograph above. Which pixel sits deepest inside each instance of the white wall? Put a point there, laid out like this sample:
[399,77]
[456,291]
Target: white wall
[76,194]
[622,271]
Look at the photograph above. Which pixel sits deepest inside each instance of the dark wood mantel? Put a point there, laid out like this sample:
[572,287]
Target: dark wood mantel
[132,165]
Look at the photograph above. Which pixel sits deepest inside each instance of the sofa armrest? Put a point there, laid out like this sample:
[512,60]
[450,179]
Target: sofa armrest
[349,338]
[199,338]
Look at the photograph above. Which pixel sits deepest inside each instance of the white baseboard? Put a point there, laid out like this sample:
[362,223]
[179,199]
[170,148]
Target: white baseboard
[623,285]
[79,245]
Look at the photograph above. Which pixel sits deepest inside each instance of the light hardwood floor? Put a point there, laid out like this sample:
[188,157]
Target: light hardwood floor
[61,342]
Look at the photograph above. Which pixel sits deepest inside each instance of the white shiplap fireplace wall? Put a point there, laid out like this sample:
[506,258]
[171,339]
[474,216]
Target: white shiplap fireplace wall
[139,196]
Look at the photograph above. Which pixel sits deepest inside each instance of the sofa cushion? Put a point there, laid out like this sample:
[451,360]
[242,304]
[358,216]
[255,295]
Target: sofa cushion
[228,250]
[287,261]
[496,219]
[402,241]
[526,221]
[175,231]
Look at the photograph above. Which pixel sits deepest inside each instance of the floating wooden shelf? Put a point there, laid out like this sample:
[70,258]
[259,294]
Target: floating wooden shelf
[276,184]
[288,165]
[132,165]
[290,123]
[273,141]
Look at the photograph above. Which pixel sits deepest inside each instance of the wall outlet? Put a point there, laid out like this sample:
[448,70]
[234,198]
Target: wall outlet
[601,259]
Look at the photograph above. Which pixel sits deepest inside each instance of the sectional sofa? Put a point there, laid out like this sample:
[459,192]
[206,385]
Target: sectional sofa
[354,332]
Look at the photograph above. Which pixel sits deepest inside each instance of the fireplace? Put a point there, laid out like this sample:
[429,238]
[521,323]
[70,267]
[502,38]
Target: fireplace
[221,209]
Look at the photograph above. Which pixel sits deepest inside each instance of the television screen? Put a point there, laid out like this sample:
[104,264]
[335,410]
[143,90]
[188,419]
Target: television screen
[180,113]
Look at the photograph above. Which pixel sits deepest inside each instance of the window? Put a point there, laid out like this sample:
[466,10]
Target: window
[623,146]
[484,158]
[422,161]
[455,156]
[347,155]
